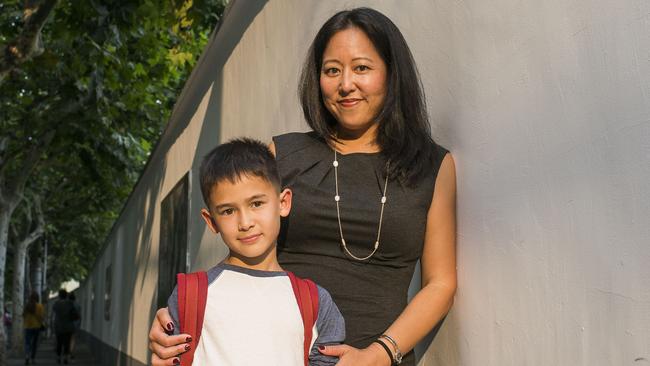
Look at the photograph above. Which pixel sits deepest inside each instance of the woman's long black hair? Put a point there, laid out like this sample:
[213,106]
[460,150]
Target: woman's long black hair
[403,132]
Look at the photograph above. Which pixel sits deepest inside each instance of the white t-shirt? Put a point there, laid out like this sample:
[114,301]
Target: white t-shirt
[252,318]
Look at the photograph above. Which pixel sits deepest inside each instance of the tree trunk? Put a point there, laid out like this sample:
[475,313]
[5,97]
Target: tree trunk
[20,256]
[18,297]
[36,271]
[5,215]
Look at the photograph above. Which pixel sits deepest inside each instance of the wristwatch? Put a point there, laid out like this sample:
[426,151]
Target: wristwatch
[397,357]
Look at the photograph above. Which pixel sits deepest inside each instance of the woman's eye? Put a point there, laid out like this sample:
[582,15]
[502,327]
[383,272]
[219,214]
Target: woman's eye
[331,71]
[362,68]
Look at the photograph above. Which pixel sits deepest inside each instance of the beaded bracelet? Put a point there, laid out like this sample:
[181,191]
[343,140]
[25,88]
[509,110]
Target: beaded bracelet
[390,354]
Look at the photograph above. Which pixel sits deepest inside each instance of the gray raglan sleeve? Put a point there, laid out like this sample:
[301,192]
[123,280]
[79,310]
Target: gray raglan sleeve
[172,302]
[330,327]
[172,305]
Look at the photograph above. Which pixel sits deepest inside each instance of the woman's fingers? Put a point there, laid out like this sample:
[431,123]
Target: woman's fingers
[165,320]
[335,350]
[170,346]
[155,361]
[166,347]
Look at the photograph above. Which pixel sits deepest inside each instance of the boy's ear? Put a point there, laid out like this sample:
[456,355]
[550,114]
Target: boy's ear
[285,202]
[209,221]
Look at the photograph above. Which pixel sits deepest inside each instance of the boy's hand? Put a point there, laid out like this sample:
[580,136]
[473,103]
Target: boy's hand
[166,347]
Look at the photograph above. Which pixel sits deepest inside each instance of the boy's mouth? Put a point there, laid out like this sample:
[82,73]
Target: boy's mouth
[249,239]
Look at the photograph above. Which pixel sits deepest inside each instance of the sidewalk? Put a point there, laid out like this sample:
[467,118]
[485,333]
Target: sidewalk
[46,355]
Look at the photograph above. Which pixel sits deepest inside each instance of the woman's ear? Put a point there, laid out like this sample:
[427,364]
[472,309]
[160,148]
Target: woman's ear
[209,220]
[285,202]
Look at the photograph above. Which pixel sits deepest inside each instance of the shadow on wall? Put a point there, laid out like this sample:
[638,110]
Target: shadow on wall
[130,255]
[447,339]
[443,336]
[216,57]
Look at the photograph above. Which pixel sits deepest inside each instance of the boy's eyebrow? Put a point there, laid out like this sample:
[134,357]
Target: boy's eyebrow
[251,198]
[256,197]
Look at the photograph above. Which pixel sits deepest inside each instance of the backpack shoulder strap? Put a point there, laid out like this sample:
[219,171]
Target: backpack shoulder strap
[306,294]
[192,297]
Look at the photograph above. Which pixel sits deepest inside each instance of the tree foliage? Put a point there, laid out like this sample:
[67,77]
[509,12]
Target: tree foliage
[91,104]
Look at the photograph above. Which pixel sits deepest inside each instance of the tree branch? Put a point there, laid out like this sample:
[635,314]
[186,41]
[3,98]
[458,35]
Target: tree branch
[32,236]
[28,44]
[15,187]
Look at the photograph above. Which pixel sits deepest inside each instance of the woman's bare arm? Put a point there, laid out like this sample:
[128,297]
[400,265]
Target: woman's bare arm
[438,263]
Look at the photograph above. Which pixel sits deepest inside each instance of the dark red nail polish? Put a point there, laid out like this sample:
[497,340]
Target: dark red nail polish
[188,339]
[321,348]
[177,361]
[187,347]
[170,326]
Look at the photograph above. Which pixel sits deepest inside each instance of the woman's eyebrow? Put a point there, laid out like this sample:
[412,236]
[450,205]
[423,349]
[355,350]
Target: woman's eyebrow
[331,60]
[354,59]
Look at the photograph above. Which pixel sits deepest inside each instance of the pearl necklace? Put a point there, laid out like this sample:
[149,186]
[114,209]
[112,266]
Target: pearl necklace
[337,198]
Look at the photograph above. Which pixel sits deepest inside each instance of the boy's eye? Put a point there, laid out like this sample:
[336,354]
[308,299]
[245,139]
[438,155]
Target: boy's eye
[227,211]
[257,203]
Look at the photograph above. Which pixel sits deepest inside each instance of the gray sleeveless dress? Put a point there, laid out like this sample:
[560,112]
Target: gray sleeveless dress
[370,294]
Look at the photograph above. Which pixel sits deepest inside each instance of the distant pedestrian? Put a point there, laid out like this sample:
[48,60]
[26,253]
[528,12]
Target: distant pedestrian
[64,316]
[33,322]
[6,321]
[77,324]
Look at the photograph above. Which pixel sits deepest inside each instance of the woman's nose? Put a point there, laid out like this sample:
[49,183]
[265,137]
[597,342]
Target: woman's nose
[347,84]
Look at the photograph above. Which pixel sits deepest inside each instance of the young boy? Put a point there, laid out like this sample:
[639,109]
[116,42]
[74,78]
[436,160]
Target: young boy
[251,315]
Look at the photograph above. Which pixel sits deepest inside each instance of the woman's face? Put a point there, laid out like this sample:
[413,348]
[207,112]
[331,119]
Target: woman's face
[353,80]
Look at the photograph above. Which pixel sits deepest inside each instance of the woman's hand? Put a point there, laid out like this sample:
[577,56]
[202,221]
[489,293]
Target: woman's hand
[373,355]
[166,347]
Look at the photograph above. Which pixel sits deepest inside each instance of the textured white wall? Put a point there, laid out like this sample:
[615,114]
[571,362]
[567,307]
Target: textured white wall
[546,108]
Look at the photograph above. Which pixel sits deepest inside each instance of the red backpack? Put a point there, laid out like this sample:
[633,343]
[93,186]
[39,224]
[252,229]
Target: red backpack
[193,293]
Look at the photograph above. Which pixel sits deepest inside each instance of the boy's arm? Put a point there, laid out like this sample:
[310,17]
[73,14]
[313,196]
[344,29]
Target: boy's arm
[172,305]
[329,329]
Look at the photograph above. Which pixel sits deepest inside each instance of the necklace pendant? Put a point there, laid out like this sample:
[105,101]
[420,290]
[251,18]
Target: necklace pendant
[337,198]
[335,163]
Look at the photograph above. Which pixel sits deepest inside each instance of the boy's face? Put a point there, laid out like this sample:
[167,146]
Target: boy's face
[247,215]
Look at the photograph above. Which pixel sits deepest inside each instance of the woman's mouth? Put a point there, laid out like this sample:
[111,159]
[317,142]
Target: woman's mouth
[349,102]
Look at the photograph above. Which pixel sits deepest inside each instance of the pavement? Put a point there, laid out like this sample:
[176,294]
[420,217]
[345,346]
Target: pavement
[46,354]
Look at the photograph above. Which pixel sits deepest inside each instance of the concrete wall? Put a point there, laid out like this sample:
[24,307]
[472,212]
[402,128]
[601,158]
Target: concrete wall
[546,108]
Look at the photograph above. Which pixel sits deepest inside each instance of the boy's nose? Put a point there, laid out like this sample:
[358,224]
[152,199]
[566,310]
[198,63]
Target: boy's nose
[245,222]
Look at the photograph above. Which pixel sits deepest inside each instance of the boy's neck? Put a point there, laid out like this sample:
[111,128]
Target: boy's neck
[269,262]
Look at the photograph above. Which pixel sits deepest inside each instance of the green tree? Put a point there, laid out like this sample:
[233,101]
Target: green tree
[85,91]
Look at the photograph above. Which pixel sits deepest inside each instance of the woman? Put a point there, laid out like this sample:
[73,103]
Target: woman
[365,206]
[33,318]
